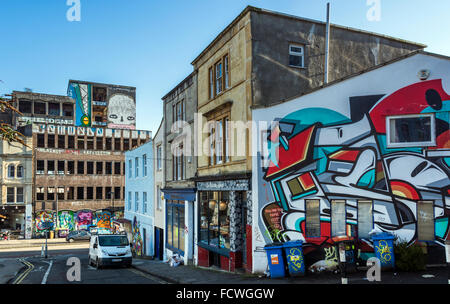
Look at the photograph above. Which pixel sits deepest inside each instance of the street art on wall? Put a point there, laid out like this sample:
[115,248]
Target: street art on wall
[43,217]
[83,219]
[121,112]
[83,100]
[102,219]
[137,244]
[392,151]
[66,220]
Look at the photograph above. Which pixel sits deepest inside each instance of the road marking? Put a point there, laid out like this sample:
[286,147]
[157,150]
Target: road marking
[147,276]
[44,279]
[25,273]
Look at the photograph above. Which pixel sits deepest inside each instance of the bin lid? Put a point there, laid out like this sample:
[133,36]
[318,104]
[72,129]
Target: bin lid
[383,236]
[293,243]
[273,245]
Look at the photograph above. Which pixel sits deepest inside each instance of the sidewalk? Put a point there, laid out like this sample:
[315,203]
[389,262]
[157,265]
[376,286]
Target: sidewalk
[199,275]
[30,243]
[9,269]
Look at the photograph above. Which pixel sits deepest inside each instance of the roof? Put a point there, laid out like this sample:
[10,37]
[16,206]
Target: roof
[283,15]
[101,84]
[354,75]
[179,84]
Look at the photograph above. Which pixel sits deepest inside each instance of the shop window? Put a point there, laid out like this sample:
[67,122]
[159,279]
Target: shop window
[70,167]
[215,219]
[41,141]
[61,141]
[25,106]
[338,222]
[175,225]
[411,131]
[39,108]
[90,193]
[50,193]
[50,141]
[117,193]
[40,167]
[80,169]
[108,192]
[365,219]
[61,167]
[61,194]
[99,143]
[296,56]
[19,171]
[11,171]
[99,193]
[80,143]
[108,144]
[117,168]
[99,168]
[90,167]
[425,221]
[312,218]
[70,142]
[67,109]
[80,193]
[10,195]
[71,193]
[108,168]
[50,167]
[40,193]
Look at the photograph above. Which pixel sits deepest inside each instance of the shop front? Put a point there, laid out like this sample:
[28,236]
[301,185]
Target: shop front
[16,219]
[222,224]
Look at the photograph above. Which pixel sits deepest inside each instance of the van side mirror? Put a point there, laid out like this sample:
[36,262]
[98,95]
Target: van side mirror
[95,246]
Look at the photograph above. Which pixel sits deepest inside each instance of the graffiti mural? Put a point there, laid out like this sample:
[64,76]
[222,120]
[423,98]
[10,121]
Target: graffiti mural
[83,219]
[121,112]
[102,219]
[83,100]
[392,151]
[44,216]
[137,243]
[66,220]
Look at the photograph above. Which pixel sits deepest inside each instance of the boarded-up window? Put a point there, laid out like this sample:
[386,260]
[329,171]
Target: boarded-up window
[425,221]
[338,218]
[312,218]
[365,219]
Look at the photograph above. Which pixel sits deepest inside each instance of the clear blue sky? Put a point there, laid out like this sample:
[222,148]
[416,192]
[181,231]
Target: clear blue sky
[150,44]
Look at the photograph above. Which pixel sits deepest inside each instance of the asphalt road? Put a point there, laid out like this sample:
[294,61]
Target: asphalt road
[53,270]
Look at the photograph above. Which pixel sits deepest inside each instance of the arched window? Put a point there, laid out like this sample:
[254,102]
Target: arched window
[19,171]
[11,172]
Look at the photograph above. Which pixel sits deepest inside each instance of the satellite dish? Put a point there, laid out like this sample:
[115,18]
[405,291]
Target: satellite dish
[424,74]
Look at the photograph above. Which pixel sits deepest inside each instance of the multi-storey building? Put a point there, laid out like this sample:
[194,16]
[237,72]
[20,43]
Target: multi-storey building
[78,160]
[260,59]
[180,106]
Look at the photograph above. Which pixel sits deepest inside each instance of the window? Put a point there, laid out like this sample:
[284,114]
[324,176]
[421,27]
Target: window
[130,168]
[338,224]
[425,221]
[19,171]
[40,193]
[144,202]
[158,198]
[108,144]
[60,167]
[80,193]
[61,141]
[215,219]
[411,130]
[227,72]
[90,193]
[19,195]
[117,168]
[67,109]
[50,141]
[99,168]
[71,193]
[175,225]
[218,78]
[136,201]
[70,142]
[312,218]
[99,193]
[39,108]
[60,193]
[11,171]
[25,106]
[136,167]
[134,143]
[70,167]
[108,168]
[117,146]
[10,195]
[211,83]
[50,167]
[90,167]
[99,143]
[116,192]
[158,157]
[178,163]
[144,165]
[126,144]
[108,192]
[90,143]
[53,109]
[296,56]
[80,143]
[50,193]
[41,141]
[40,167]
[80,167]
[365,219]
[219,141]
[129,200]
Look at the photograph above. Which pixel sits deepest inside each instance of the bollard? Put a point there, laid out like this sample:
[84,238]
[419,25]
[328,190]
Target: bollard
[342,259]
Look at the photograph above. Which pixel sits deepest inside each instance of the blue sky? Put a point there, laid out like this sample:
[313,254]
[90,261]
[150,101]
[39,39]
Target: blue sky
[150,44]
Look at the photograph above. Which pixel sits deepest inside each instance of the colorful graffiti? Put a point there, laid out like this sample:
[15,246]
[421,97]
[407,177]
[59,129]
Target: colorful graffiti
[66,220]
[83,100]
[137,244]
[83,219]
[43,217]
[323,155]
[102,219]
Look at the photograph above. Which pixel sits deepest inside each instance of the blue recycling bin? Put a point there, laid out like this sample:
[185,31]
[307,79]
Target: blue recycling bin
[383,245]
[294,258]
[275,260]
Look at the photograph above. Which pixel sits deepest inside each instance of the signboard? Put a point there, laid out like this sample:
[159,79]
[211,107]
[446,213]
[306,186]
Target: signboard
[274,259]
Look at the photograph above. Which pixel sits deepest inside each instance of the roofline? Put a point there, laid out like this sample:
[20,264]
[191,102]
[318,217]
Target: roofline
[36,93]
[159,128]
[99,83]
[411,54]
[278,14]
[179,84]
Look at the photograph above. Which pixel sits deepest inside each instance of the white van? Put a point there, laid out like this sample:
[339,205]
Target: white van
[109,249]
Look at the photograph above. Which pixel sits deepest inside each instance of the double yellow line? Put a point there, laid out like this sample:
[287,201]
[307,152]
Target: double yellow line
[22,276]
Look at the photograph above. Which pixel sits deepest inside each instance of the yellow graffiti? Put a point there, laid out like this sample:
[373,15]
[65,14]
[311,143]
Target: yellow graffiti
[384,252]
[296,258]
[330,256]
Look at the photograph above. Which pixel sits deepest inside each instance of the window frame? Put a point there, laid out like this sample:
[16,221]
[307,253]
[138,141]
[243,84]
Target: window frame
[294,53]
[331,215]
[358,217]
[306,216]
[224,80]
[389,144]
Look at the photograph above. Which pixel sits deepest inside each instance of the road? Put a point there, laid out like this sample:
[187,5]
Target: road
[53,270]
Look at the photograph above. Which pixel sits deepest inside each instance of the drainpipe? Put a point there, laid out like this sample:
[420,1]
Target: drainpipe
[327,45]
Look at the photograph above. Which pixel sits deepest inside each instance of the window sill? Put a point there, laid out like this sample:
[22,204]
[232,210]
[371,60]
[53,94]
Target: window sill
[298,67]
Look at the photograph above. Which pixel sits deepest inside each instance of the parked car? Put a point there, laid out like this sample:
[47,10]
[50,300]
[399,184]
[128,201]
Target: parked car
[109,249]
[80,235]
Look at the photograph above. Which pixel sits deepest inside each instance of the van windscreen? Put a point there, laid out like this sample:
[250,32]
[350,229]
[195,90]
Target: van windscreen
[114,240]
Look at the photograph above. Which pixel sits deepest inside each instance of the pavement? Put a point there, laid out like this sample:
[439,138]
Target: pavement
[35,243]
[189,274]
[9,268]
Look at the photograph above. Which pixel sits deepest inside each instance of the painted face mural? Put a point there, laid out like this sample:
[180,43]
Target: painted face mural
[373,162]
[121,112]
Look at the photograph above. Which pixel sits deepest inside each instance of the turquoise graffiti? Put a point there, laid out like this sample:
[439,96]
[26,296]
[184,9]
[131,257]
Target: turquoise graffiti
[66,220]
